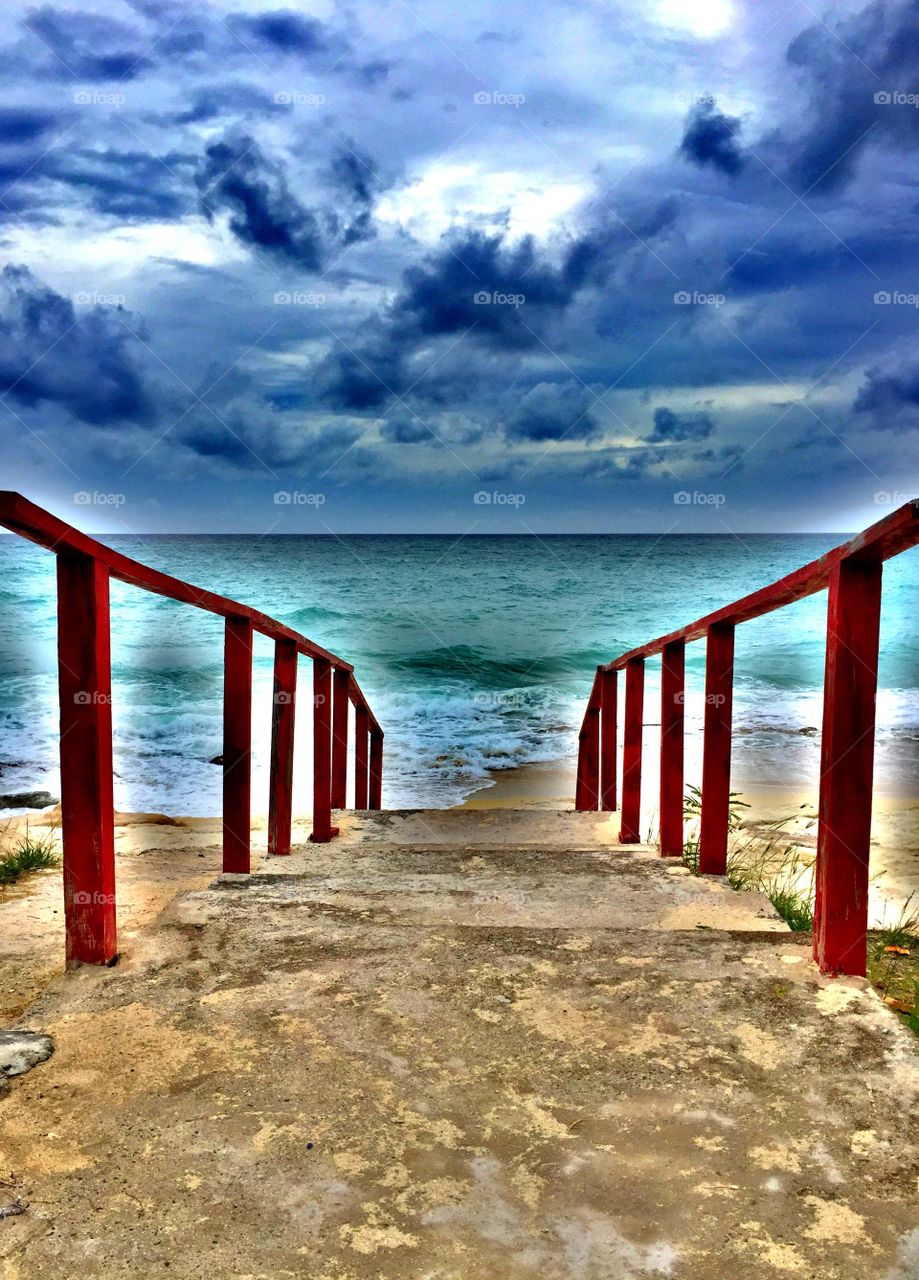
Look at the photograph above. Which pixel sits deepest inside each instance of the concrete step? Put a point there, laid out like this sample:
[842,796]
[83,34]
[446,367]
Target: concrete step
[482,885]
[517,827]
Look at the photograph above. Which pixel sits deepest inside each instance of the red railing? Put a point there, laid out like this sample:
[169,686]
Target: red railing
[84,569]
[852,575]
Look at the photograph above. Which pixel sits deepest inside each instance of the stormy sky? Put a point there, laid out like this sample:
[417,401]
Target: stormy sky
[561,267]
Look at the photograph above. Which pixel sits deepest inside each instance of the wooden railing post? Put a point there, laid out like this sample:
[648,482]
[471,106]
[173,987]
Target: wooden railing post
[323,831]
[361,757]
[87,805]
[341,685]
[629,832]
[846,766]
[376,769]
[587,792]
[673,692]
[237,743]
[609,689]
[280,787]
[716,750]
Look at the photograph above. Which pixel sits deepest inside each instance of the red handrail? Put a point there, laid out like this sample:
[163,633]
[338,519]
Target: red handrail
[84,570]
[852,575]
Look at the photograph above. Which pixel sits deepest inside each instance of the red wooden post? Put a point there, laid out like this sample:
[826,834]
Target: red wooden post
[341,684]
[361,765]
[673,681]
[376,769]
[87,805]
[587,793]
[716,750]
[237,743]
[846,766]
[629,832]
[322,752]
[609,689]
[280,788]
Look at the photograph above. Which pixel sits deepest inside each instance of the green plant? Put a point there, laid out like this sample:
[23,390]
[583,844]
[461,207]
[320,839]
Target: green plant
[692,807]
[29,854]
[904,932]
[795,909]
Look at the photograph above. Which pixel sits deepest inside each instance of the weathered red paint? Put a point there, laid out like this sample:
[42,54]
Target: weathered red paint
[587,795]
[237,743]
[609,691]
[280,786]
[374,799]
[341,694]
[630,819]
[87,805]
[673,690]
[323,831]
[846,766]
[361,758]
[716,750]
[85,567]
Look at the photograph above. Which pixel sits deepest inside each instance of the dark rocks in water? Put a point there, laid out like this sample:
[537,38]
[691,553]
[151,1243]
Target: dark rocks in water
[216,760]
[809,731]
[20,1051]
[28,800]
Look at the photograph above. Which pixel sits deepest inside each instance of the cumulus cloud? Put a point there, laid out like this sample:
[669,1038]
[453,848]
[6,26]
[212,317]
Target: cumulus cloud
[88,362]
[712,138]
[669,425]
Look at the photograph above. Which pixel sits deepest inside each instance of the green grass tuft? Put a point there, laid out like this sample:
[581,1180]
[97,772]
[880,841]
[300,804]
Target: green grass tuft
[27,856]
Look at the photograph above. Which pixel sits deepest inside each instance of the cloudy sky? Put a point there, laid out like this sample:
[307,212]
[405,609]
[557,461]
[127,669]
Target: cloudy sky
[419,266]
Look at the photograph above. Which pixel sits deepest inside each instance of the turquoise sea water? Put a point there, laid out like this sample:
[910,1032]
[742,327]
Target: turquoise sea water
[476,654]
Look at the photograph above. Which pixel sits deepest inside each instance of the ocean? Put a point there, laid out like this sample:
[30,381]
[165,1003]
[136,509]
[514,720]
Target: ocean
[476,654]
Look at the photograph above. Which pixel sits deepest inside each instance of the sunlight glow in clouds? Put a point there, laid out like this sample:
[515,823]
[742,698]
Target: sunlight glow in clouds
[704,18]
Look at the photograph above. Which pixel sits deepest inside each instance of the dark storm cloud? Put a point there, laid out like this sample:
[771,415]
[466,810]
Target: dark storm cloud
[265,214]
[681,426]
[22,124]
[853,68]
[86,361]
[129,185]
[712,138]
[554,411]
[889,398]
[263,211]
[356,381]
[74,44]
[284,30]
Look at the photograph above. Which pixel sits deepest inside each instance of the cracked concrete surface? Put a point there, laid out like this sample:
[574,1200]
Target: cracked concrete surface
[429,1050]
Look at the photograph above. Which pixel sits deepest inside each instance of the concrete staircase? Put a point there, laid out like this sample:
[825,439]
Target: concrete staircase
[468,1043]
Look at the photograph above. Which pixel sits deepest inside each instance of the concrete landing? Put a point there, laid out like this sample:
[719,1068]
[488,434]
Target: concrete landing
[452,1056]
